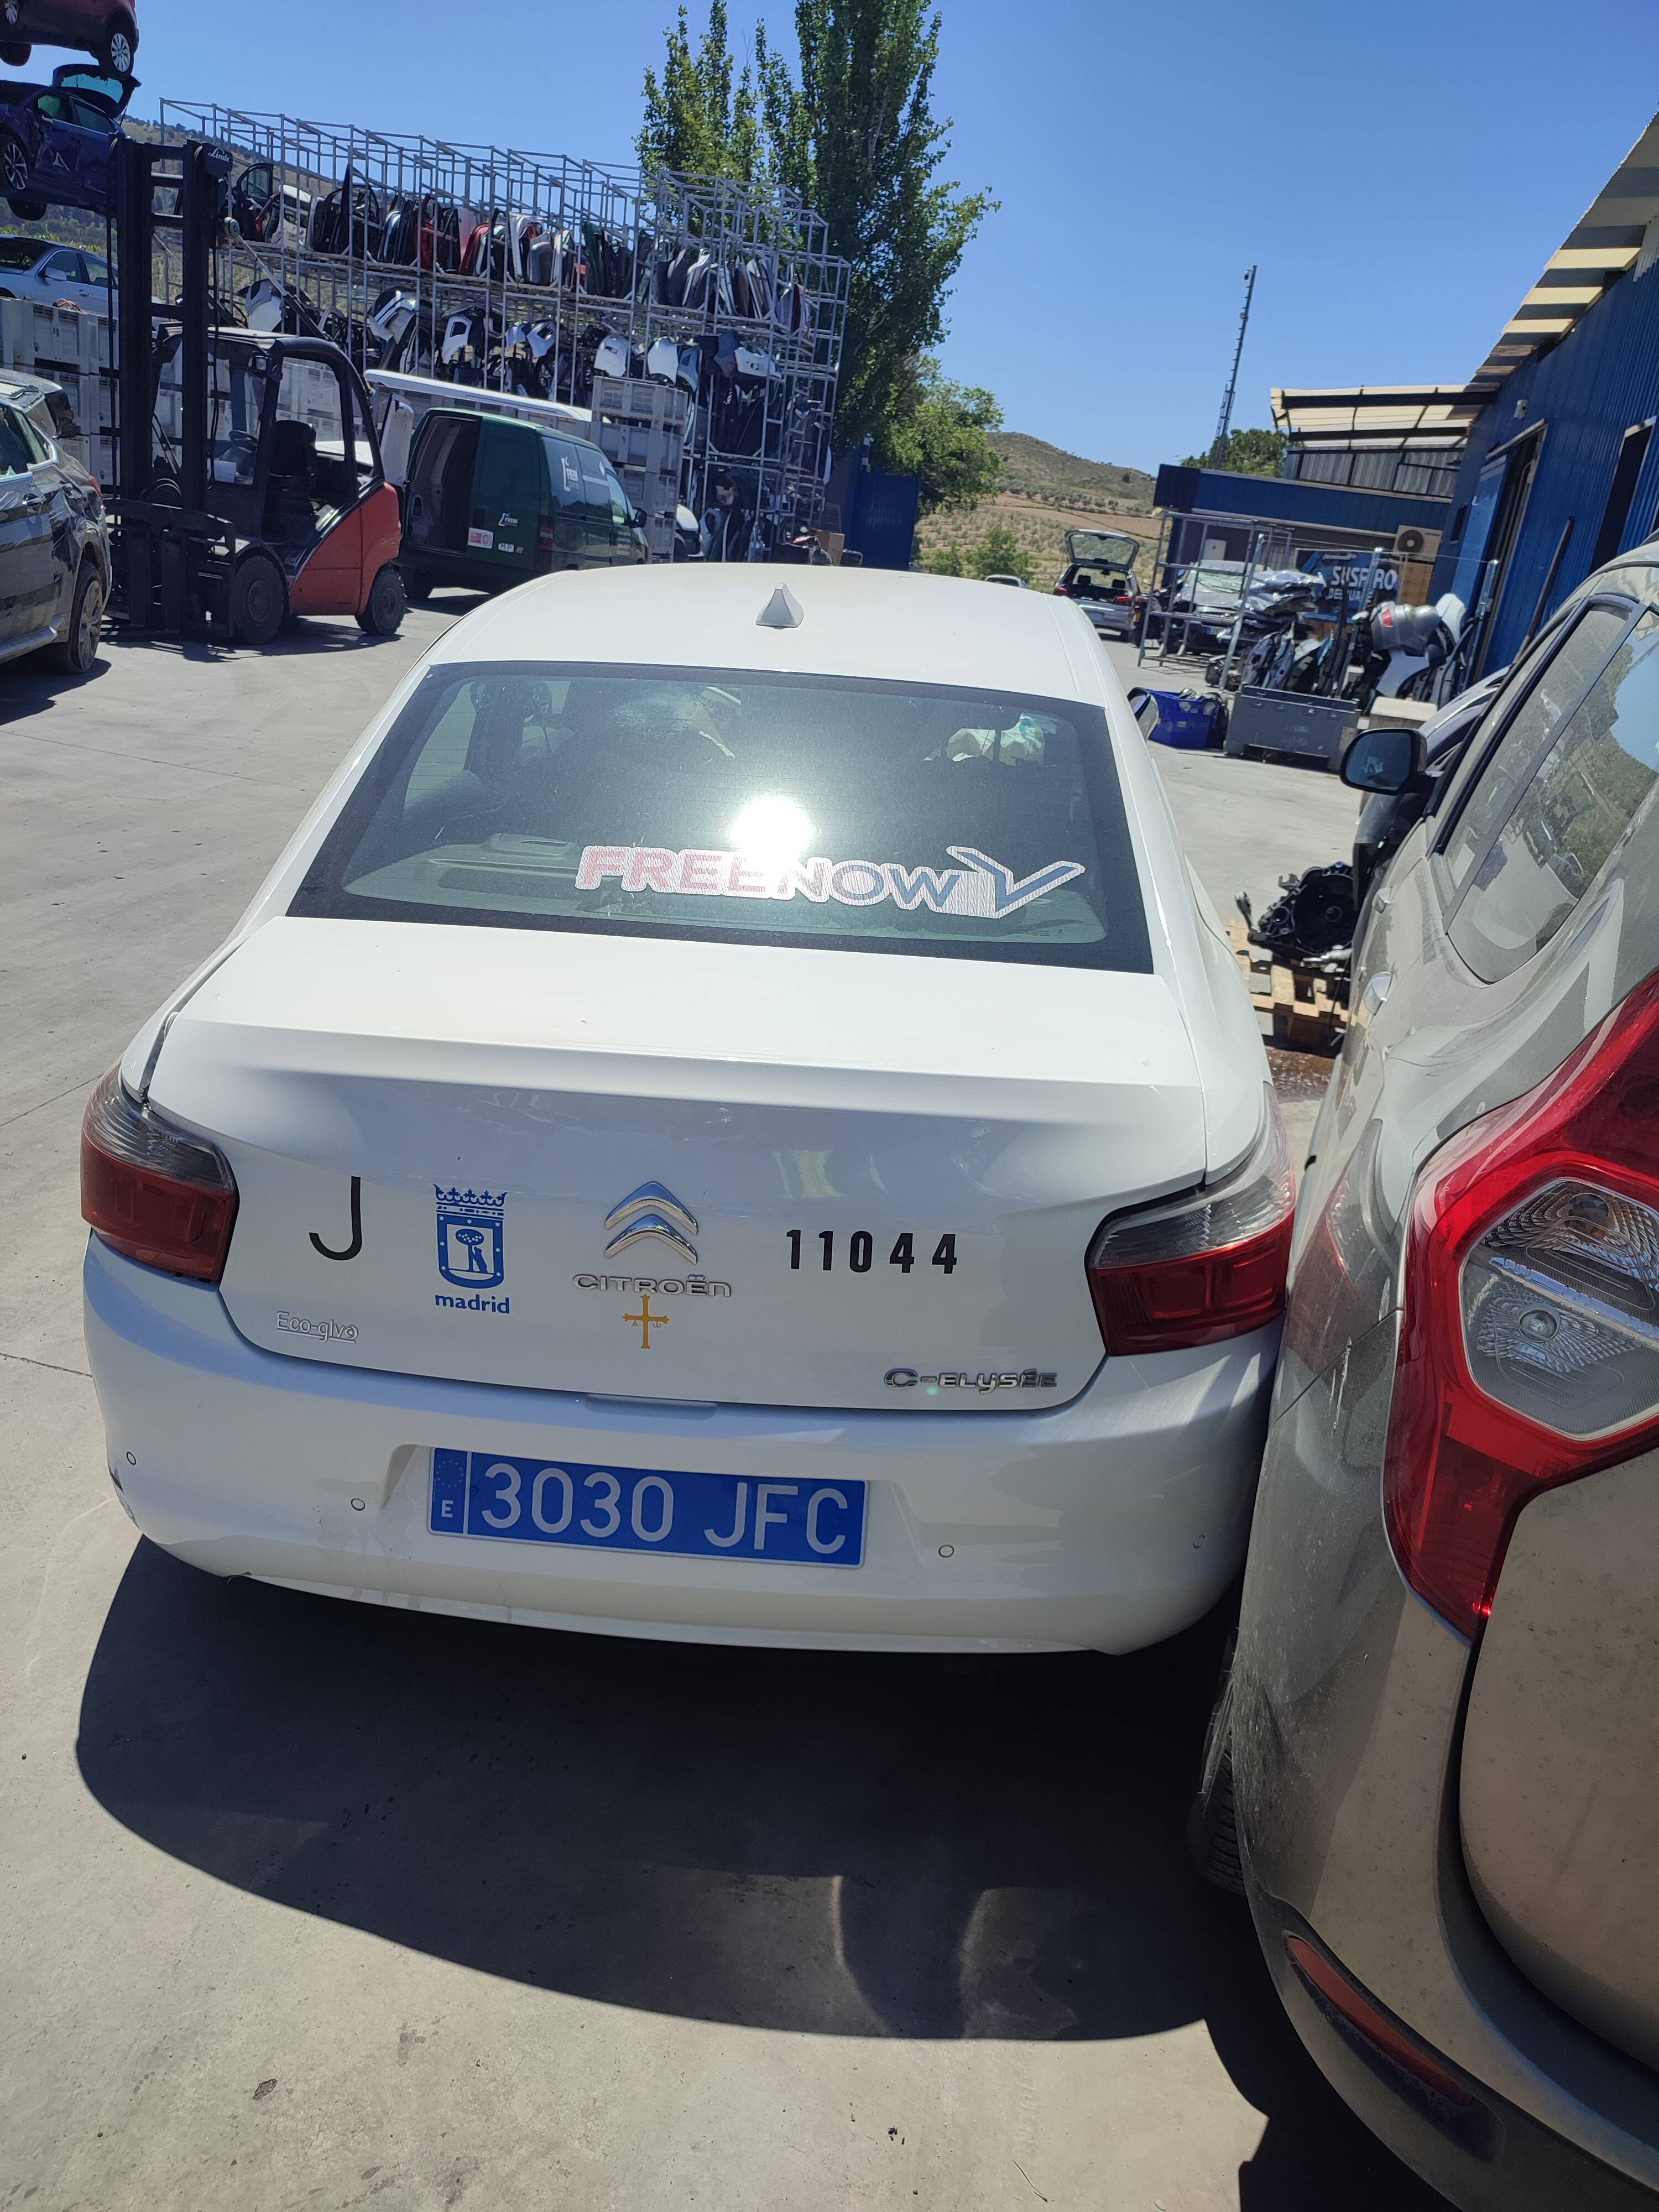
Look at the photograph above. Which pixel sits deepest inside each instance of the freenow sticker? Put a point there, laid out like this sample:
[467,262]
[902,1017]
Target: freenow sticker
[980,886]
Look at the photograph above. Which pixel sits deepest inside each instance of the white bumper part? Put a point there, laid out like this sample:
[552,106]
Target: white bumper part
[1108,1522]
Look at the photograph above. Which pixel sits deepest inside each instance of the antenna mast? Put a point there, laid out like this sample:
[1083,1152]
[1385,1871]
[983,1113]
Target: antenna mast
[1219,450]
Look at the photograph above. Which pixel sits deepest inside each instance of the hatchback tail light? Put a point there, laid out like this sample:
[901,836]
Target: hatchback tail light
[1529,1339]
[1204,1266]
[153,1191]
[545,537]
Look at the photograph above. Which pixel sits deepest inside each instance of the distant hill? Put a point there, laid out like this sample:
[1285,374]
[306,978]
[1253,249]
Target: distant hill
[1034,470]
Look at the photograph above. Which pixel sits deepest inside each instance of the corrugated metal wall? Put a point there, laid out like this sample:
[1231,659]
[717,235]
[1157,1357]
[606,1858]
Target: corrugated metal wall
[1589,390]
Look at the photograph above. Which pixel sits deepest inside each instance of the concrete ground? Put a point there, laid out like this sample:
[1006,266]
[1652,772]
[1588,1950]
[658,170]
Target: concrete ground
[306,1905]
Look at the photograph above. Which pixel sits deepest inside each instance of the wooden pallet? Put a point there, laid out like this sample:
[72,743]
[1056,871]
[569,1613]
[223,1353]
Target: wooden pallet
[1307,1016]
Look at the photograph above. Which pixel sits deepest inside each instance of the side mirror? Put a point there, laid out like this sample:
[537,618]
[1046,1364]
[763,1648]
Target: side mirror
[1143,707]
[1383,760]
[637,518]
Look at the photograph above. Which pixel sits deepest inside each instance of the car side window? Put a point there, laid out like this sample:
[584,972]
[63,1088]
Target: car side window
[621,507]
[40,447]
[564,471]
[63,264]
[1597,776]
[596,492]
[1584,651]
[15,456]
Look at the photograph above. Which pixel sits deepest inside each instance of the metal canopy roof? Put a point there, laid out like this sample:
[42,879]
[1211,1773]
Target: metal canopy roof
[1379,415]
[1620,231]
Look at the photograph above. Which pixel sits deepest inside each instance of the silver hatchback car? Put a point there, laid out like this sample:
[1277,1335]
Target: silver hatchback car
[1434,1765]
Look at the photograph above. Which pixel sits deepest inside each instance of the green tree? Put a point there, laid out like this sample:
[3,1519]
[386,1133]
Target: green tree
[855,135]
[999,553]
[943,560]
[1249,453]
[695,118]
[938,431]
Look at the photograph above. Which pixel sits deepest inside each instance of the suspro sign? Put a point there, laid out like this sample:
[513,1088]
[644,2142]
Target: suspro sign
[1354,576]
[979,885]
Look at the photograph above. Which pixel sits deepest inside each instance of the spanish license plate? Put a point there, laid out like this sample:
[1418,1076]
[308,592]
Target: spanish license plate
[634,1509]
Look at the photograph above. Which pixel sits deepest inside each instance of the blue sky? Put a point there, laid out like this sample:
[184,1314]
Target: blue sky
[1400,177]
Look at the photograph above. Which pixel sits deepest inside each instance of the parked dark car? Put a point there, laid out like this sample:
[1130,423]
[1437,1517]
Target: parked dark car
[54,541]
[1434,1764]
[1100,575]
[488,501]
[107,28]
[1388,817]
[55,139]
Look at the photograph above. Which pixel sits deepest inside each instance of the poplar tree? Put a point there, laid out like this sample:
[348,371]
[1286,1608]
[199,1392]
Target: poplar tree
[854,133]
[696,119]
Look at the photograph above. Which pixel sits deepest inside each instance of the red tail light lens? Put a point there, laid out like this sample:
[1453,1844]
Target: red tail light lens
[158,1195]
[1529,1340]
[1327,1981]
[545,537]
[1205,1267]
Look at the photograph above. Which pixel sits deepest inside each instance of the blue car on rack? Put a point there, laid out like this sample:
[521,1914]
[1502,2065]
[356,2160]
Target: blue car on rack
[55,139]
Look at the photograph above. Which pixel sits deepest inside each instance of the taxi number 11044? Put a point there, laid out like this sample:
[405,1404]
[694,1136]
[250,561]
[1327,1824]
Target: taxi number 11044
[861,1251]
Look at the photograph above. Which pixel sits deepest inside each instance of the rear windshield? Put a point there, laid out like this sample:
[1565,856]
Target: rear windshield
[743,808]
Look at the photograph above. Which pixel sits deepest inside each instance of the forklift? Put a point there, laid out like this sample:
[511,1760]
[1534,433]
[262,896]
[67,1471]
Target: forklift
[249,481]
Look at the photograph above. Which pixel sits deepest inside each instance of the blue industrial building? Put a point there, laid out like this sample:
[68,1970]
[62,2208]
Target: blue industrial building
[1515,485]
[1561,469]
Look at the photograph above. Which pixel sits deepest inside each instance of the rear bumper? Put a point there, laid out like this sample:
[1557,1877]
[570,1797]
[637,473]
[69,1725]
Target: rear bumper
[1487,2155]
[1108,1523]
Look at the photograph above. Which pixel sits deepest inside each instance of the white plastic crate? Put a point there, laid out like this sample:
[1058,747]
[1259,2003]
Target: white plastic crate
[48,340]
[640,399]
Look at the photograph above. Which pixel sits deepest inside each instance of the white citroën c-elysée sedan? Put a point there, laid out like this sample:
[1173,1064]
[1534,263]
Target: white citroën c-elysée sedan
[730,1120]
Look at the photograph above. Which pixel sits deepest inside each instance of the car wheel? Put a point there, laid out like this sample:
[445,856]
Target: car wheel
[120,45]
[1212,1824]
[75,652]
[257,600]
[387,602]
[15,176]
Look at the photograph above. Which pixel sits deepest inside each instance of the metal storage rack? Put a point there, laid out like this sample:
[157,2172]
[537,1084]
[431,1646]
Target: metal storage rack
[639,224]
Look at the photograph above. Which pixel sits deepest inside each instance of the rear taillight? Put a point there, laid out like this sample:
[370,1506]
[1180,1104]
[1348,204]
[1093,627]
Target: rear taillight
[153,1191]
[545,537]
[1529,1339]
[1204,1266]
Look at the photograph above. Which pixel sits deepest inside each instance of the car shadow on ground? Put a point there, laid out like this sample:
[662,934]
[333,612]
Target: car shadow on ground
[31,685]
[833,1844]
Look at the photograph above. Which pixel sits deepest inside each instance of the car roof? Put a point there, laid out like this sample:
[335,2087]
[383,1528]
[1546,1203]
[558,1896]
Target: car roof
[25,391]
[514,423]
[886,625]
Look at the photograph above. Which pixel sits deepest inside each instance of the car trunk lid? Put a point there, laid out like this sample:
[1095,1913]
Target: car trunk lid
[662,1169]
[1560,1793]
[1101,549]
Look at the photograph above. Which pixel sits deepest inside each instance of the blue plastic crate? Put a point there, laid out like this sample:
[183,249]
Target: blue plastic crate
[1192,720]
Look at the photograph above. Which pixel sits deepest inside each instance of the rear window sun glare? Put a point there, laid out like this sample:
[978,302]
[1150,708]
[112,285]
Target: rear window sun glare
[743,807]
